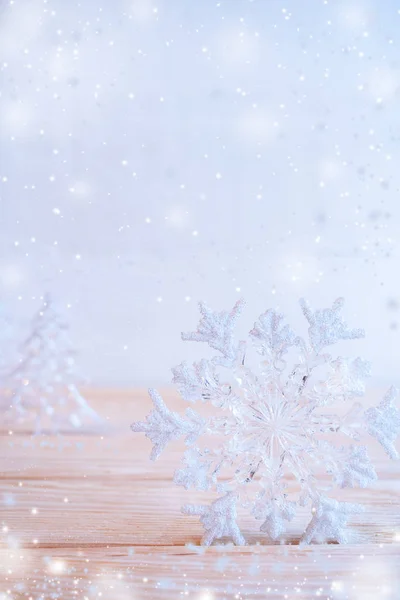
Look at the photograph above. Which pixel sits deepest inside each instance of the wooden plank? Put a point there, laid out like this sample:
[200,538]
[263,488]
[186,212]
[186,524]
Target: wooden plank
[91,514]
[274,572]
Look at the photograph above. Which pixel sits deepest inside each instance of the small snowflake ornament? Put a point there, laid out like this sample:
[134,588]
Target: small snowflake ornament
[272,423]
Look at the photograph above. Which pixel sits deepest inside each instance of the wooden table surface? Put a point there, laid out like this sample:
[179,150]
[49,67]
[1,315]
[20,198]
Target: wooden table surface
[89,516]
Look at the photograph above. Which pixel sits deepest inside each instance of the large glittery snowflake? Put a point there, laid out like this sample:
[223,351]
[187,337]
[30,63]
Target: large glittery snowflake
[272,440]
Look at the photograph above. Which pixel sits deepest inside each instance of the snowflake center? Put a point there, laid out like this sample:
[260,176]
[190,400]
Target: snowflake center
[276,419]
[274,425]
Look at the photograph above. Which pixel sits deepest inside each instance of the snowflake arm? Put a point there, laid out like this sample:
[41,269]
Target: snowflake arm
[219,519]
[190,380]
[163,425]
[201,382]
[357,469]
[327,326]
[216,328]
[348,377]
[347,424]
[273,512]
[272,337]
[383,422]
[195,472]
[329,522]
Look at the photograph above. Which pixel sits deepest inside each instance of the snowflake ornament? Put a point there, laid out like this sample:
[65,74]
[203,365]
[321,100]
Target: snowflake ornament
[271,424]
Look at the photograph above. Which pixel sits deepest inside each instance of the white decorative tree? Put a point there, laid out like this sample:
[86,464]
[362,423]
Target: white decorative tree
[7,347]
[8,354]
[42,387]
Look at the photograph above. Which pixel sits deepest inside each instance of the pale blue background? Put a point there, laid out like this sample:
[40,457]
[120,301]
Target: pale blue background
[153,154]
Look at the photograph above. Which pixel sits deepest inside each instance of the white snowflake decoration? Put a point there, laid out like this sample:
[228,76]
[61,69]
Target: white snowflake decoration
[274,425]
